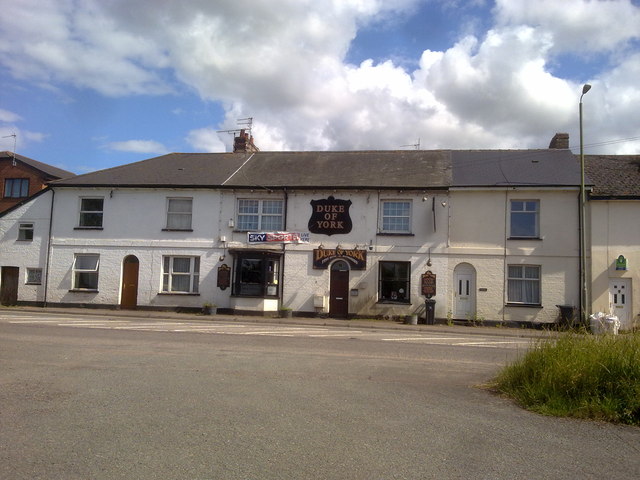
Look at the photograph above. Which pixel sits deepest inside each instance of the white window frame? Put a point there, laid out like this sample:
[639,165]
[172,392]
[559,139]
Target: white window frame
[169,273]
[91,272]
[391,217]
[516,285]
[29,276]
[525,211]
[176,217]
[82,222]
[262,214]
[25,232]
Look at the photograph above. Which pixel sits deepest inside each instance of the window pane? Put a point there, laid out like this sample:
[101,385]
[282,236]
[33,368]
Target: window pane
[271,223]
[524,218]
[88,281]
[34,276]
[272,207]
[86,262]
[394,281]
[248,206]
[396,216]
[180,283]
[248,222]
[181,265]
[92,204]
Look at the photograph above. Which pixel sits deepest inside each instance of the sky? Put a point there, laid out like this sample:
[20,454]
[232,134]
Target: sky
[92,84]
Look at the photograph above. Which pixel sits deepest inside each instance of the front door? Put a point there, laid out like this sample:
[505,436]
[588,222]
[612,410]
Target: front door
[339,290]
[9,285]
[129,297]
[463,295]
[620,300]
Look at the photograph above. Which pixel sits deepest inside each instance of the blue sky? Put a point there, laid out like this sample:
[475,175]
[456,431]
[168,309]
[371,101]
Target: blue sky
[88,84]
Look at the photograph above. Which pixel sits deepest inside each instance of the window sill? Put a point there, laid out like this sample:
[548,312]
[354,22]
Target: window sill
[33,283]
[235,295]
[395,234]
[177,230]
[525,305]
[525,238]
[83,290]
[393,302]
[182,294]
[88,228]
[23,240]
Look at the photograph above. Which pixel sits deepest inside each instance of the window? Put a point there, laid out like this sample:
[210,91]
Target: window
[25,232]
[256,275]
[179,213]
[524,284]
[524,218]
[16,187]
[256,215]
[85,272]
[91,211]
[180,274]
[394,282]
[396,216]
[34,276]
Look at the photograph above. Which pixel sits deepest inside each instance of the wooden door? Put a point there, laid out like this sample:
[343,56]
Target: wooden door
[339,290]
[129,296]
[9,285]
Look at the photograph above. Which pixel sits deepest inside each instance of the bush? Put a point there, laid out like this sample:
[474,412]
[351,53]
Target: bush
[583,376]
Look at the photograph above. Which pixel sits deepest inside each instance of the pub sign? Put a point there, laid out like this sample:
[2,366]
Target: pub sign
[356,258]
[330,216]
[428,284]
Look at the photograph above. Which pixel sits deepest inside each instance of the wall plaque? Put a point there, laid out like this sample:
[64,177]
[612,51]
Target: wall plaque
[621,263]
[429,284]
[330,216]
[322,257]
[224,276]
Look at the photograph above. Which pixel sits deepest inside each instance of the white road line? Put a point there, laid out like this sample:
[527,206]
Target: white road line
[429,339]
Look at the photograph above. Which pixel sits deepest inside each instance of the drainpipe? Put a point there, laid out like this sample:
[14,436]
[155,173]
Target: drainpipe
[48,260]
[284,245]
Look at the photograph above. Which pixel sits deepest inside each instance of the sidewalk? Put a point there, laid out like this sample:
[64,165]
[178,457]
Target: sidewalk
[301,321]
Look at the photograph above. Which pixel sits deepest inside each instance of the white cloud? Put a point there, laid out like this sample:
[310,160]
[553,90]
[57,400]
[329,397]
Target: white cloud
[9,117]
[283,63]
[139,146]
[205,140]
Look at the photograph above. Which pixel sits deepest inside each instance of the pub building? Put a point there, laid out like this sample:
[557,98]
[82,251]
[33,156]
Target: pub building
[339,234]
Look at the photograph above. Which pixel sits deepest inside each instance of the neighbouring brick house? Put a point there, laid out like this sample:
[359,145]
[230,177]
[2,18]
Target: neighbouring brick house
[22,177]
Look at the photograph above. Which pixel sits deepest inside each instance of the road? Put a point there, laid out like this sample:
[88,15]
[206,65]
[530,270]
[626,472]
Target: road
[91,397]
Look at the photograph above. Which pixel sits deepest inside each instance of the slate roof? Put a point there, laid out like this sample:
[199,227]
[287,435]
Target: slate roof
[391,169]
[614,176]
[550,167]
[48,170]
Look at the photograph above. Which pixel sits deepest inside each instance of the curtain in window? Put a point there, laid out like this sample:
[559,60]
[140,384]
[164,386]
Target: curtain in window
[179,213]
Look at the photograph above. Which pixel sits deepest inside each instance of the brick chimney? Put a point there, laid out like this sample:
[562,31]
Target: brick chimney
[244,143]
[560,141]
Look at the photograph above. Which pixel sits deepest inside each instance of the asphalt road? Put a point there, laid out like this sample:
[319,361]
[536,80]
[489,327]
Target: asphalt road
[93,398]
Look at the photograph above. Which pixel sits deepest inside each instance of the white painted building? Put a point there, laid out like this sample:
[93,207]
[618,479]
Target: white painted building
[334,233]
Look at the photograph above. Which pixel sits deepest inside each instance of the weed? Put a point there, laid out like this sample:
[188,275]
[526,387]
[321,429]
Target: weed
[577,375]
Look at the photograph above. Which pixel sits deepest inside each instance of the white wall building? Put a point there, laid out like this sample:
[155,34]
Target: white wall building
[335,233]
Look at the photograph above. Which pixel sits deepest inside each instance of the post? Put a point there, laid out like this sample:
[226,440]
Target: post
[584,297]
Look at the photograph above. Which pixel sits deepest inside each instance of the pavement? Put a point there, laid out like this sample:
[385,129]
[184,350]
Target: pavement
[458,327]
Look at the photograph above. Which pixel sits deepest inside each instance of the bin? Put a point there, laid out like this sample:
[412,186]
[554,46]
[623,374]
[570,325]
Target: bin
[568,315]
[430,311]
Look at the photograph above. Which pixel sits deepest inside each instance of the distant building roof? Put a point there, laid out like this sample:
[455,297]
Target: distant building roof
[614,176]
[48,170]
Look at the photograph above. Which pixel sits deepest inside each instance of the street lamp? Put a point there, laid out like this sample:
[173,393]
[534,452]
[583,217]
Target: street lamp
[584,305]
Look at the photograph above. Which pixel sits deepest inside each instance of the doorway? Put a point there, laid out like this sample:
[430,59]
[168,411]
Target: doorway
[9,286]
[129,294]
[339,290]
[620,300]
[464,297]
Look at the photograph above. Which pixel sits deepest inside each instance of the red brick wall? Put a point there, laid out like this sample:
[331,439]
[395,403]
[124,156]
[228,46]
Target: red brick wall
[36,180]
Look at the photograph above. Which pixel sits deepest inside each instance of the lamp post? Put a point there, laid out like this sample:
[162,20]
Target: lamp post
[583,234]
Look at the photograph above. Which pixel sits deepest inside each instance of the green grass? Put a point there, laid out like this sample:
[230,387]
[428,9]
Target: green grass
[582,376]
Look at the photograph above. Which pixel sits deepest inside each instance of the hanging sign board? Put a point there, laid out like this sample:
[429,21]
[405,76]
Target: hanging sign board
[330,216]
[428,284]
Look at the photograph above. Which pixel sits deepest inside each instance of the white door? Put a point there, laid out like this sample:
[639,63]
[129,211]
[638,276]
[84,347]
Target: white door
[620,300]
[463,295]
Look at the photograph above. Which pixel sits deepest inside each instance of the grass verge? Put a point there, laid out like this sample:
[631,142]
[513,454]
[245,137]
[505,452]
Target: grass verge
[582,376]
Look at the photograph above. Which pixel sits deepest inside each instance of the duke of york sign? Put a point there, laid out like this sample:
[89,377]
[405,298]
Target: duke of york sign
[330,216]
